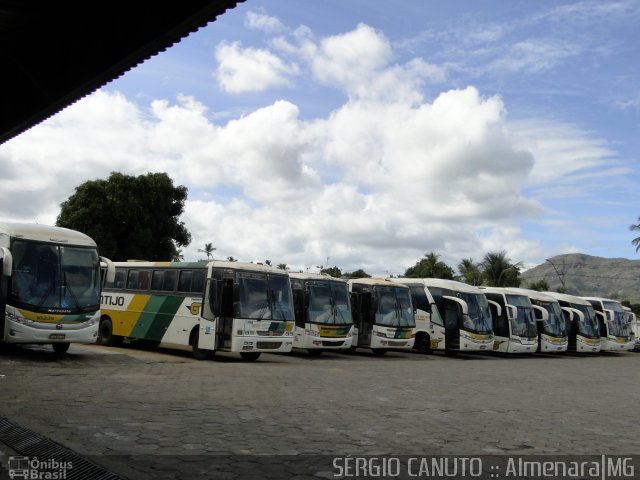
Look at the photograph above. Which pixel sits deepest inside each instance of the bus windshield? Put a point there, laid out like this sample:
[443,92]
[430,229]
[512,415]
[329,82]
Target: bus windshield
[524,325]
[329,303]
[618,326]
[394,308]
[588,327]
[479,318]
[265,297]
[555,324]
[50,277]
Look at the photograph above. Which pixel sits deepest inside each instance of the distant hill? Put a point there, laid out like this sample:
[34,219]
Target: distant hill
[617,278]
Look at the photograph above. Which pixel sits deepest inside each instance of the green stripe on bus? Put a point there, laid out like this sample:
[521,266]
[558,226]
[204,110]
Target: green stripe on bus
[156,317]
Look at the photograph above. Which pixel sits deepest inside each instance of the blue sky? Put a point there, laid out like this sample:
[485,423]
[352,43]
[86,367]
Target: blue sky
[371,132]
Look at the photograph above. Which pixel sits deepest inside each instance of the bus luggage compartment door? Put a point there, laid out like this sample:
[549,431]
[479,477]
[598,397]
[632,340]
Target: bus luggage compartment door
[207,336]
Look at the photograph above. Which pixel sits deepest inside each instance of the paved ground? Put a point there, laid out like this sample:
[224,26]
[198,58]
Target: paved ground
[162,414]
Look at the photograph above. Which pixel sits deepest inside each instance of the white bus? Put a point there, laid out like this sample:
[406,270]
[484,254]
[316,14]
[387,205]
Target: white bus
[582,323]
[514,323]
[450,316]
[322,311]
[633,325]
[615,333]
[552,329]
[383,315]
[229,306]
[50,286]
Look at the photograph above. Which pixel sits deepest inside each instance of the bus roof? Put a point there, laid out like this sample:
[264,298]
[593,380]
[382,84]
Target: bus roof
[375,281]
[315,276]
[46,233]
[565,297]
[536,295]
[601,299]
[259,267]
[438,282]
[505,290]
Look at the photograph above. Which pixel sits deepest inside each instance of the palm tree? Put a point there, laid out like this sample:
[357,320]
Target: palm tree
[499,271]
[208,250]
[470,272]
[635,241]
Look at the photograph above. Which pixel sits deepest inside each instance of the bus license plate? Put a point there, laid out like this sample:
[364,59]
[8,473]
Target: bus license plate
[57,336]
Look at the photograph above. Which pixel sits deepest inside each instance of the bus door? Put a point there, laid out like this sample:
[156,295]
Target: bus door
[361,306]
[542,317]
[571,326]
[225,314]
[452,315]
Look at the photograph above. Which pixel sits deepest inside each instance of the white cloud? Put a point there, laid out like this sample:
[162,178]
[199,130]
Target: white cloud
[262,21]
[250,69]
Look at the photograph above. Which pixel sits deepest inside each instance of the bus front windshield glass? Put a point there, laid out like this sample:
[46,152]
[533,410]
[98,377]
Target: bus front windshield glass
[394,308]
[50,277]
[524,325]
[329,303]
[618,325]
[479,318]
[555,324]
[589,326]
[265,297]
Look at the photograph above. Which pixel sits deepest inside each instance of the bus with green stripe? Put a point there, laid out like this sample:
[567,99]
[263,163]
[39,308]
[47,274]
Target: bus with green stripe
[49,285]
[209,306]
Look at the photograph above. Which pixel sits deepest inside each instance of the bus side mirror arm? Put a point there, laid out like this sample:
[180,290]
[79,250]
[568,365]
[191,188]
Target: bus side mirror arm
[7,262]
[111,269]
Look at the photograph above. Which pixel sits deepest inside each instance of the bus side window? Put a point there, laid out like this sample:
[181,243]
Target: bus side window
[170,280]
[157,279]
[143,280]
[197,281]
[132,279]
[184,282]
[118,280]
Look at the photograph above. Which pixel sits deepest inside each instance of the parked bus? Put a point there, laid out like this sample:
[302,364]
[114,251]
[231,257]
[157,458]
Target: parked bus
[450,316]
[228,306]
[49,286]
[634,327]
[552,329]
[514,323]
[582,323]
[382,314]
[615,333]
[322,311]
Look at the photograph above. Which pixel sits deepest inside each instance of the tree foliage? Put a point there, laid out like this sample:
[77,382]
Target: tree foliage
[636,241]
[430,267]
[360,273]
[332,271]
[540,286]
[498,270]
[129,217]
[470,272]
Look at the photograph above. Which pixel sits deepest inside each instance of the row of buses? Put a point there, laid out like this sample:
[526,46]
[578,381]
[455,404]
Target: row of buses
[52,291]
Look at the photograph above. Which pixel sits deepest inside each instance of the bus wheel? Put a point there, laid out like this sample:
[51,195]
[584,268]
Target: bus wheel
[200,353]
[423,343]
[250,356]
[379,351]
[314,352]
[60,348]
[105,333]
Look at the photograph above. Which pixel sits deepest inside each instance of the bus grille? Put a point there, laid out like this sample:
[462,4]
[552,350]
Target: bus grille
[269,345]
[397,344]
[327,343]
[269,333]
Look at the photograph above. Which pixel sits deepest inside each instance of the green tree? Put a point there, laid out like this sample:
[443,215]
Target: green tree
[332,271]
[540,286]
[267,262]
[360,273]
[430,267]
[498,270]
[470,272]
[129,217]
[282,266]
[231,259]
[636,241]
[208,250]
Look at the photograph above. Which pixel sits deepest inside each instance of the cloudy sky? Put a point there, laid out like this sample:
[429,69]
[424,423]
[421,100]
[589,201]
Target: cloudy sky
[368,132]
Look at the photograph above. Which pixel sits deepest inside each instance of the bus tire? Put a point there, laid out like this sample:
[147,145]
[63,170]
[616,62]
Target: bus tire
[423,343]
[250,356]
[314,352]
[379,351]
[105,333]
[199,353]
[61,348]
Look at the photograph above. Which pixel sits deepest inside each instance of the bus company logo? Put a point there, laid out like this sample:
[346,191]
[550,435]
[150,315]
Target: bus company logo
[194,308]
[34,469]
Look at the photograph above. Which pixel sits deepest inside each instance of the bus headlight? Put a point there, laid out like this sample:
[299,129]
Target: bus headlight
[313,333]
[378,333]
[11,317]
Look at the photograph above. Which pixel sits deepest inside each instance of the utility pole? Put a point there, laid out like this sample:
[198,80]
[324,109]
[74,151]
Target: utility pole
[560,276]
